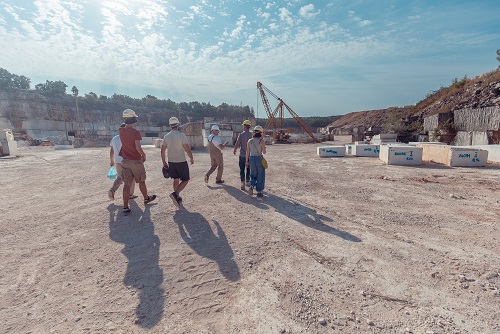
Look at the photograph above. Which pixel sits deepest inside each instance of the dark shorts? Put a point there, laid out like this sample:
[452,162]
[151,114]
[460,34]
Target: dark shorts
[179,170]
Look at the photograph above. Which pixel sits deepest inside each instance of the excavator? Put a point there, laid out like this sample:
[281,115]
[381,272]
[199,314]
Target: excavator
[275,118]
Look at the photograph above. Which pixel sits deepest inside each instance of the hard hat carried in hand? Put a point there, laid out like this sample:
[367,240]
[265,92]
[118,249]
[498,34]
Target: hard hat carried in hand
[173,121]
[214,127]
[247,122]
[128,113]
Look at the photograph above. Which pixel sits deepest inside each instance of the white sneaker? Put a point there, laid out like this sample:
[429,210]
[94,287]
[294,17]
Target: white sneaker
[111,194]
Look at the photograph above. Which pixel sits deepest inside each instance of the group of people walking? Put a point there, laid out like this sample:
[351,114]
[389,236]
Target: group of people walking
[128,157]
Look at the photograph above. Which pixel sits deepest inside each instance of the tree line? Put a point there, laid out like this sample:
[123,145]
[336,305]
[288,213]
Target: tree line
[156,111]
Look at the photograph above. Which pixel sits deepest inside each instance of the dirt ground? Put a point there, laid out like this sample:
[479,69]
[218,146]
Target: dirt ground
[337,245]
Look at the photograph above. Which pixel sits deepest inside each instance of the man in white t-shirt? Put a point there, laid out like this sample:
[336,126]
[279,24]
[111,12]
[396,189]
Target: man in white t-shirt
[177,146]
[215,147]
[116,160]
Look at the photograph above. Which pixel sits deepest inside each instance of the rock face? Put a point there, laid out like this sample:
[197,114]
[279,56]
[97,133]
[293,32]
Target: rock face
[479,92]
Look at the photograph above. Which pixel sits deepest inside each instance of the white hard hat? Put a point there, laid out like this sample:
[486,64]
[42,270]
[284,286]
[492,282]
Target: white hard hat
[173,121]
[127,113]
[214,127]
[258,128]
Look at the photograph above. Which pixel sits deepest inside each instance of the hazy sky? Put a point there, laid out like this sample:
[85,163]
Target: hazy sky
[322,58]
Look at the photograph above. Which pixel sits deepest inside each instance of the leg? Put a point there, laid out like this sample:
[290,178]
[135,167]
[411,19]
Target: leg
[181,187]
[253,170]
[212,167]
[261,178]
[126,193]
[220,169]
[176,184]
[143,189]
[241,163]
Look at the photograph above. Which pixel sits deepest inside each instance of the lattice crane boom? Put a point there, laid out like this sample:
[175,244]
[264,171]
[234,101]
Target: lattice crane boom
[272,115]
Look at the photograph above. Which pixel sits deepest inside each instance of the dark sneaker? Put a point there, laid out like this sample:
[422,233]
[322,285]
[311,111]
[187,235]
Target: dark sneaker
[126,210]
[149,199]
[250,191]
[259,195]
[175,199]
[206,178]
[219,181]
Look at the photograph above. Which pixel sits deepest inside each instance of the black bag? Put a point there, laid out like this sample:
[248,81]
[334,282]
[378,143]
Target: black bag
[165,172]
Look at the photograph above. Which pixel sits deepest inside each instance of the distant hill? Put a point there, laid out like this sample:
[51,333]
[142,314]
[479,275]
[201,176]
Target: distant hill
[481,91]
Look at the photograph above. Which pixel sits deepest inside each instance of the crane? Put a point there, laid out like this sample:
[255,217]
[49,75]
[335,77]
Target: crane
[279,134]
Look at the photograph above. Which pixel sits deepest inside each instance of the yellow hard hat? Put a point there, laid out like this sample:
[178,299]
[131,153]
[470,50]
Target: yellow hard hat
[247,122]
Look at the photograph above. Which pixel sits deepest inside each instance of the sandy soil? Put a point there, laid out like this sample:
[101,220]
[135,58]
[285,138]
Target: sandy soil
[337,245]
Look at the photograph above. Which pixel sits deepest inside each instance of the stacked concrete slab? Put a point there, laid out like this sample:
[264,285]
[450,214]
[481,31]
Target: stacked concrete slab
[384,138]
[331,151]
[403,155]
[454,156]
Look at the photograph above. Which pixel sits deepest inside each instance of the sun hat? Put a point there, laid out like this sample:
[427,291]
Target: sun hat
[247,122]
[173,121]
[258,128]
[130,120]
[214,127]
[127,113]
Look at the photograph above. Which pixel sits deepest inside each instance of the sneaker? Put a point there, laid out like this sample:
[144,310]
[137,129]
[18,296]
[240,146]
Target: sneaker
[111,194]
[206,178]
[242,185]
[175,199]
[149,199]
[259,195]
[219,181]
[133,196]
[250,191]
[126,210]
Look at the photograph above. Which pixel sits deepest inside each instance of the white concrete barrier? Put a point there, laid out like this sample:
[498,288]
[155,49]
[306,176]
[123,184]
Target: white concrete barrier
[331,151]
[401,155]
[454,156]
[366,150]
[493,152]
[158,142]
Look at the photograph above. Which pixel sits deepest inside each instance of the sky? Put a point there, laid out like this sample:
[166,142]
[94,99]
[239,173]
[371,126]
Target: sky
[322,58]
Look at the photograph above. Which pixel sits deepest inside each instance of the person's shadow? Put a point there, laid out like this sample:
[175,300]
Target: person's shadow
[196,231]
[142,249]
[294,211]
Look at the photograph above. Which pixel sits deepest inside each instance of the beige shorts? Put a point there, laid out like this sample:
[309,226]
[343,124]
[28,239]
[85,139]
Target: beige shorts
[133,170]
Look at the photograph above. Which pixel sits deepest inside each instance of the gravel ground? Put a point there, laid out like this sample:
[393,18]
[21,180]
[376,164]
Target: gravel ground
[336,245]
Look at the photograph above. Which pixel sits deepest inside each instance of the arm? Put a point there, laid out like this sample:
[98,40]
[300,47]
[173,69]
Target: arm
[111,156]
[189,153]
[236,145]
[263,146]
[139,149]
[163,157]
[247,162]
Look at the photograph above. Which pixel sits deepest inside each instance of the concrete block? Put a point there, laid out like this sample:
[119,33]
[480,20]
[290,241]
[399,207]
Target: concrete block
[9,147]
[401,155]
[454,156]
[349,148]
[468,157]
[158,142]
[331,151]
[366,150]
[493,152]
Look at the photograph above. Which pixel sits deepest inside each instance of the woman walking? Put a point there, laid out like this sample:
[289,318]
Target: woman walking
[255,148]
